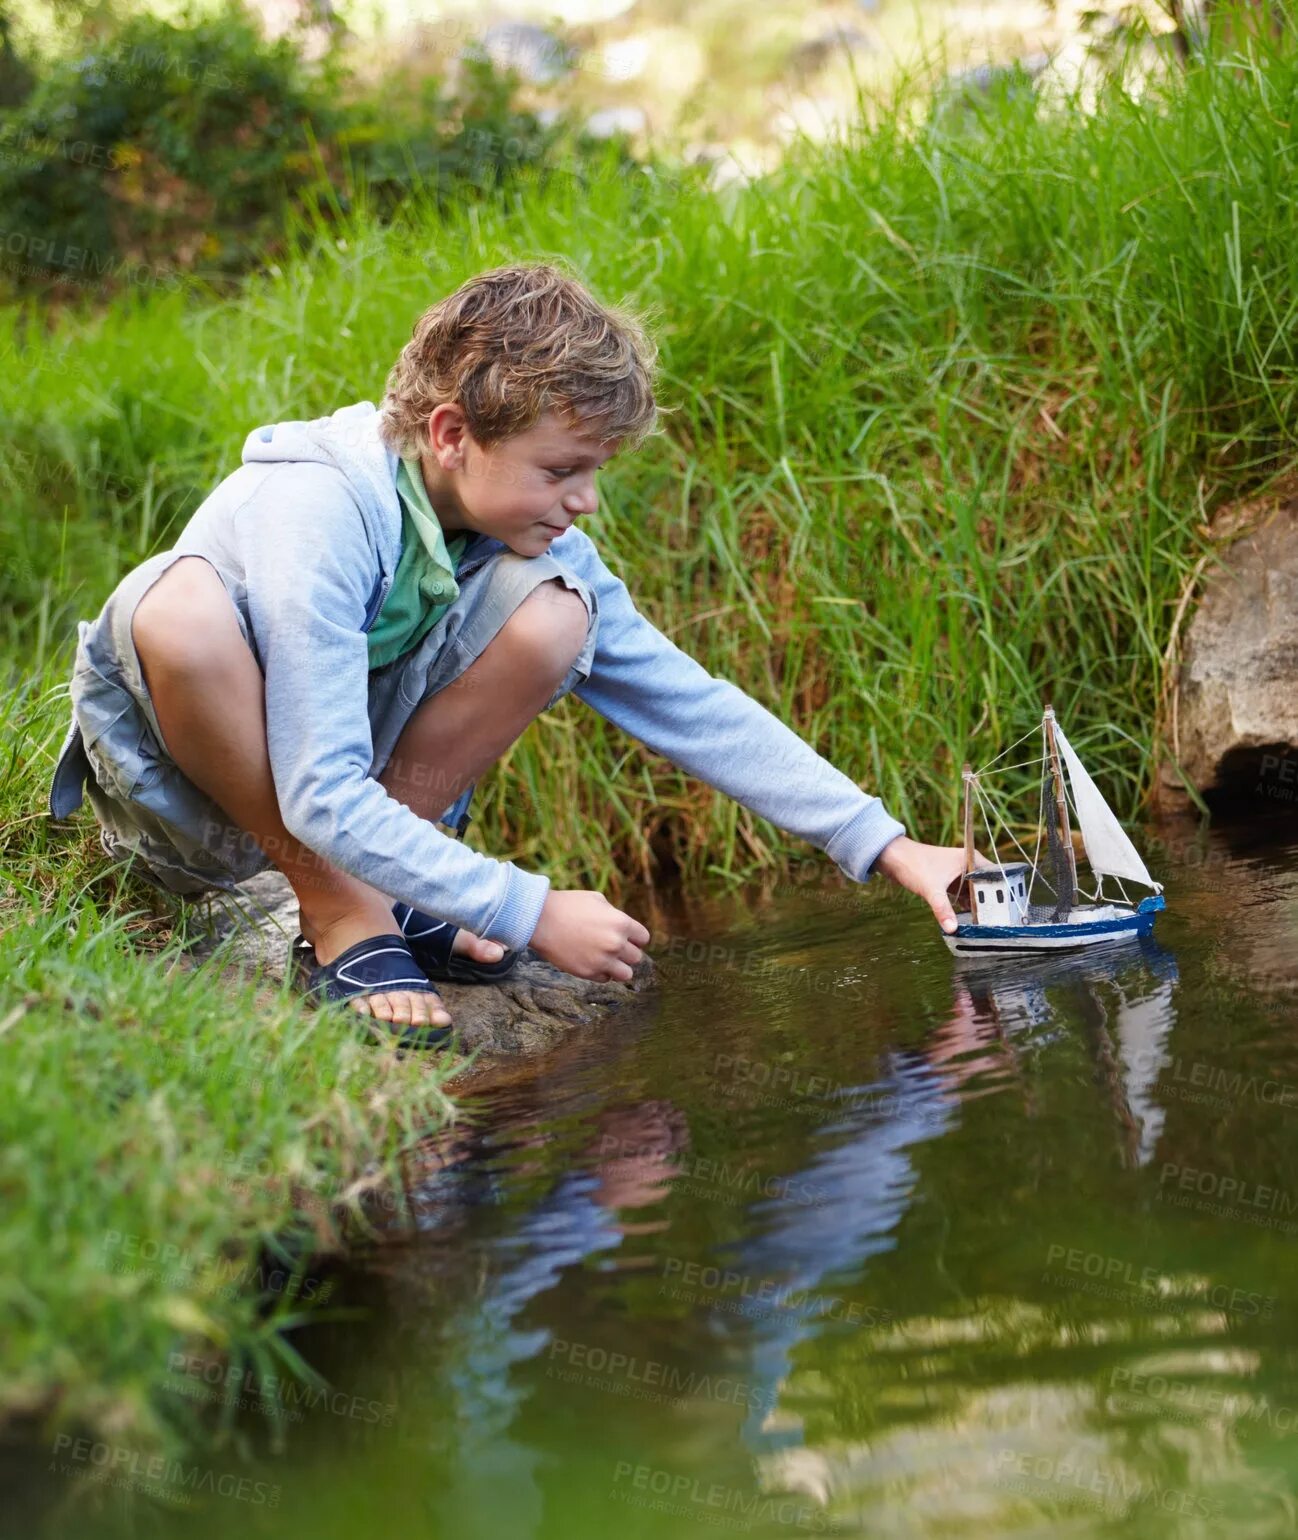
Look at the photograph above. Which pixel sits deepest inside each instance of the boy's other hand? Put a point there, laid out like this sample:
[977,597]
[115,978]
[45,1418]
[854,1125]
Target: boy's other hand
[925,870]
[582,933]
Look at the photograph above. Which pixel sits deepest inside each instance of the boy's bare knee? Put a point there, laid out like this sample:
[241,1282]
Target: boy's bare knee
[186,617]
[552,621]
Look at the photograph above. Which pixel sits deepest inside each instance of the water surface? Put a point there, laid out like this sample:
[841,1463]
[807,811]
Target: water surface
[847,1236]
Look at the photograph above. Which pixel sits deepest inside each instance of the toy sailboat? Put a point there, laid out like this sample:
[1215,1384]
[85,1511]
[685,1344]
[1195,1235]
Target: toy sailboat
[999,912]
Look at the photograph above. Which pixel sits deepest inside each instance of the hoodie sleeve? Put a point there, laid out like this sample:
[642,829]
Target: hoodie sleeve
[710,728]
[309,571]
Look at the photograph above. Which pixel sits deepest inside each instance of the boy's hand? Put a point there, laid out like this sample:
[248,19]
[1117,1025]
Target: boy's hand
[582,933]
[925,870]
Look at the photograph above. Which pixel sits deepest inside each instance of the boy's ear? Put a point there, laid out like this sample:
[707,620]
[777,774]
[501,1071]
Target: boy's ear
[447,431]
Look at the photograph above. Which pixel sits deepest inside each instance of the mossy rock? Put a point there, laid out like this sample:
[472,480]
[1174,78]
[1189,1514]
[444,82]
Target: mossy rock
[529,1012]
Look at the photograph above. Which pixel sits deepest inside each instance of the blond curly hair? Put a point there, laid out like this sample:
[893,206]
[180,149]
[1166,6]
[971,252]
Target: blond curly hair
[513,343]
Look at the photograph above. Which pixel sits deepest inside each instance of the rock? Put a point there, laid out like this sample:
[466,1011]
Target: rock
[315,23]
[624,58]
[734,165]
[670,64]
[1233,726]
[817,118]
[573,13]
[527,1013]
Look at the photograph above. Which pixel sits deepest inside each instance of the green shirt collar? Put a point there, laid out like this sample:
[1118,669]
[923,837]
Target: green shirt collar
[414,496]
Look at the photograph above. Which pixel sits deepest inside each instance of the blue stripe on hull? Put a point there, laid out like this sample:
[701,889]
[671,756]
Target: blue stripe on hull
[1006,939]
[1003,940]
[1139,924]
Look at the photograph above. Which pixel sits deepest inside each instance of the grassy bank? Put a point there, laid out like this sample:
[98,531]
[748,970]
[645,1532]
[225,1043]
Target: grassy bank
[177,1157]
[952,404]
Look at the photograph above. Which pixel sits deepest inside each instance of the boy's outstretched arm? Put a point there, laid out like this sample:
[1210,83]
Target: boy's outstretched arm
[644,683]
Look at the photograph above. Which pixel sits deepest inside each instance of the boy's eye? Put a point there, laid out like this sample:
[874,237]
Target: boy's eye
[560,473]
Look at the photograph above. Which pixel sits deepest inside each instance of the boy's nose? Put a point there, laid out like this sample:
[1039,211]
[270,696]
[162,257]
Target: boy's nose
[582,499]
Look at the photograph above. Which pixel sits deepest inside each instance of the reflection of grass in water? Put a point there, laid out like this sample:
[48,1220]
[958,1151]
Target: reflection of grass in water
[1066,1321]
[899,1425]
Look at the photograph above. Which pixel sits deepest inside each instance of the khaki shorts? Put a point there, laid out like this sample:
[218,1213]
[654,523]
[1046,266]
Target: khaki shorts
[148,809]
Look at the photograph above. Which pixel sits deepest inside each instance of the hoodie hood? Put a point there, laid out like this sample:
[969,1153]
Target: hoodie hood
[348,441]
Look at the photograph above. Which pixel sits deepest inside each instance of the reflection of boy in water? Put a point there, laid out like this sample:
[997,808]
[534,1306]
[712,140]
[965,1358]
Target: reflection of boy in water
[626,1166]
[971,1041]
[633,1155]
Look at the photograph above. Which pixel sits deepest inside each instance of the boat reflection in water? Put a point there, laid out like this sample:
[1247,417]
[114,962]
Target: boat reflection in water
[1004,1014]
[1129,1020]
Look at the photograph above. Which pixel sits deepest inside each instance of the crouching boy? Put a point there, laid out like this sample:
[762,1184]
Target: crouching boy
[360,619]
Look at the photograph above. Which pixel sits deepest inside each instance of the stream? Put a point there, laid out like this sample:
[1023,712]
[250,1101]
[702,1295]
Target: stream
[844,1235]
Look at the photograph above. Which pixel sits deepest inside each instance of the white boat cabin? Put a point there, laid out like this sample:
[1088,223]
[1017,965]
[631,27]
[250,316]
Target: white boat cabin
[998,895]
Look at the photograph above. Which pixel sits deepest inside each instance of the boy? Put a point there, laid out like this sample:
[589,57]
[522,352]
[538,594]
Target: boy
[358,621]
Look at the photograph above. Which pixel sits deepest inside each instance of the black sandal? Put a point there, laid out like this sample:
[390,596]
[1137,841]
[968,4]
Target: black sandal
[377,965]
[430,943]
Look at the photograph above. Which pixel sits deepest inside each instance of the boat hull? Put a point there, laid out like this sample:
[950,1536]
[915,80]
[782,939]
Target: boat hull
[1111,922]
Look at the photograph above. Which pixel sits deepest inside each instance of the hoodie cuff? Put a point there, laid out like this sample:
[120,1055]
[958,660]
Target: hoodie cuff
[520,913]
[860,842]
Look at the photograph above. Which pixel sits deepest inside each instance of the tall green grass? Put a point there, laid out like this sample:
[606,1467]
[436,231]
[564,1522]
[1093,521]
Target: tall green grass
[951,405]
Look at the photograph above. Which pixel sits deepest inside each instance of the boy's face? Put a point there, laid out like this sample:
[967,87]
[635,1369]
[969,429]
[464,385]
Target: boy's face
[525,490]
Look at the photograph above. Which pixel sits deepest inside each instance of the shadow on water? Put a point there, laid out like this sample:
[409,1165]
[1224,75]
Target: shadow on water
[852,1237]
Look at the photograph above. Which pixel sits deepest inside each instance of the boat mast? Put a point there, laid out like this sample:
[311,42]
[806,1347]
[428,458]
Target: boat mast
[1066,862]
[968,777]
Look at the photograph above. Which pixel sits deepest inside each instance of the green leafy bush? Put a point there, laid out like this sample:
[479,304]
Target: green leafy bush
[446,146]
[164,147]
[164,151]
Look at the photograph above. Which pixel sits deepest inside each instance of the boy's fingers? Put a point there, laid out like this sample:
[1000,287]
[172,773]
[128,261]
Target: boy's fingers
[942,911]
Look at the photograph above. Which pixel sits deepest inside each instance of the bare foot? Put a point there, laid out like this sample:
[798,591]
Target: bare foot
[405,1007]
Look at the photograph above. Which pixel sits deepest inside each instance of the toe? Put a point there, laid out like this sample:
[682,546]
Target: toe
[475,948]
[404,1008]
[437,1014]
[376,1005]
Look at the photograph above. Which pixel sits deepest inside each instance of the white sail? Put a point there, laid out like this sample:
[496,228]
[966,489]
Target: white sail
[1108,849]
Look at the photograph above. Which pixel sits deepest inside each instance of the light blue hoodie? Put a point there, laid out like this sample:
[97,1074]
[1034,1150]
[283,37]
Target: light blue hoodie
[308,530]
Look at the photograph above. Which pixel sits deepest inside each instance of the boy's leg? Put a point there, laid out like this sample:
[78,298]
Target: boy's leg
[459,732]
[209,697]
